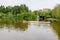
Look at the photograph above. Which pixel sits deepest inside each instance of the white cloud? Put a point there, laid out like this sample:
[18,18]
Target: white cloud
[32,4]
[9,2]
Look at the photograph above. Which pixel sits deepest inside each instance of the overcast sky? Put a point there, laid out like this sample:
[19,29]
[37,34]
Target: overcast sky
[32,4]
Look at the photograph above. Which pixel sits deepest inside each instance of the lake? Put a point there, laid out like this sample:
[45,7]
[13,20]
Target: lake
[31,31]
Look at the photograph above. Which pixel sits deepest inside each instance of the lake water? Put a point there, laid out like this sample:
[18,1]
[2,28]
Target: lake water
[31,31]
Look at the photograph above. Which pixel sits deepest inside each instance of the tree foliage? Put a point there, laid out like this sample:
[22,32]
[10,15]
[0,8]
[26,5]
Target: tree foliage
[56,12]
[16,12]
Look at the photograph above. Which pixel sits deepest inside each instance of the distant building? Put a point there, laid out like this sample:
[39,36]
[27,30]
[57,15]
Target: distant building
[46,9]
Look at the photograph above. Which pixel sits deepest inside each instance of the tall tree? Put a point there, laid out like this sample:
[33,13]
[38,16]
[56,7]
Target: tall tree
[2,8]
[56,11]
[23,8]
[15,10]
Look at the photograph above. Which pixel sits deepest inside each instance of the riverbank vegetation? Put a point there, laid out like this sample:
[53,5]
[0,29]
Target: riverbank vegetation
[22,12]
[56,27]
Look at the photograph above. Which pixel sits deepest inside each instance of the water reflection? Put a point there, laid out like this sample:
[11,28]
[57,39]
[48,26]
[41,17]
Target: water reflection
[17,26]
[21,26]
[38,31]
[56,27]
[32,31]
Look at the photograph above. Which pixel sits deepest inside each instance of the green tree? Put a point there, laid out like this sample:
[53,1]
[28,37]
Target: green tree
[23,8]
[2,8]
[47,14]
[56,12]
[15,10]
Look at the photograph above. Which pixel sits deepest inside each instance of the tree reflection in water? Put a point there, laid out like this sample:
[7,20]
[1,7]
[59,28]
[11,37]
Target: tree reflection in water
[17,26]
[56,27]
[21,26]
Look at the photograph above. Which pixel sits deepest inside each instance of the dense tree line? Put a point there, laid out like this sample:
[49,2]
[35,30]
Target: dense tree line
[22,12]
[14,9]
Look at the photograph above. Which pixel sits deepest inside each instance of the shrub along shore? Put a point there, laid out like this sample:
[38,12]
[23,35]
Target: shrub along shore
[20,13]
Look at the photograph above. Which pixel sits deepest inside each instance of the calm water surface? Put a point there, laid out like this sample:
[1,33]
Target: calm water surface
[31,31]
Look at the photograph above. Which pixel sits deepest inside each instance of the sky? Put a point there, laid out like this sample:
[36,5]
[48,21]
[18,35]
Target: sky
[32,4]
